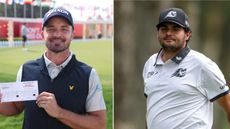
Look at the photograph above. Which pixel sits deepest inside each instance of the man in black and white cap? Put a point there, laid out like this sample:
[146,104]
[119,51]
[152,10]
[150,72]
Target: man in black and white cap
[70,92]
[180,83]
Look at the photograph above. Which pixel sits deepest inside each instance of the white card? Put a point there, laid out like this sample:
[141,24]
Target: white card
[19,91]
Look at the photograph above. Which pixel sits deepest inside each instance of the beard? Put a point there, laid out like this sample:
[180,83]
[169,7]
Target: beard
[172,48]
[57,45]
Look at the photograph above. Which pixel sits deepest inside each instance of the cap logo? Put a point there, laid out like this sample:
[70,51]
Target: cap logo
[171,14]
[57,10]
[186,23]
[178,58]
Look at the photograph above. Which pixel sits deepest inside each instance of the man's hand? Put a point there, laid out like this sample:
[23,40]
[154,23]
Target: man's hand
[91,120]
[48,102]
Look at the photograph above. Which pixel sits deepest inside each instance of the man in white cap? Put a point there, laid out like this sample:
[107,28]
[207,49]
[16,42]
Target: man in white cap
[70,91]
[181,84]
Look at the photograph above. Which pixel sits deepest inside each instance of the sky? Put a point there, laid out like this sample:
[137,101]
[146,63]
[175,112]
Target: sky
[81,10]
[84,10]
[87,2]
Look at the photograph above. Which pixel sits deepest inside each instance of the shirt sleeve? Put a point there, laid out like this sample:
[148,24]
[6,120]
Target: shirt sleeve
[95,100]
[19,75]
[214,83]
[144,79]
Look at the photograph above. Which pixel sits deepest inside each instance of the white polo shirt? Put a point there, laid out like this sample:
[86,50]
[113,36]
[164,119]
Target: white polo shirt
[180,91]
[95,99]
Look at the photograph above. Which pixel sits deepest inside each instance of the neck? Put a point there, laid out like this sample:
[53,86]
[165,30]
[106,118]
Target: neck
[57,58]
[166,55]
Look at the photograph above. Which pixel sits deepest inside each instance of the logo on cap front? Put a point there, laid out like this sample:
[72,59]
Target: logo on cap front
[171,14]
[64,12]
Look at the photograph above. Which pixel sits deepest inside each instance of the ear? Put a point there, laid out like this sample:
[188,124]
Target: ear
[72,35]
[188,34]
[42,33]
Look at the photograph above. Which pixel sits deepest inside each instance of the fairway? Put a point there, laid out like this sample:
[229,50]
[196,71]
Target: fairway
[97,53]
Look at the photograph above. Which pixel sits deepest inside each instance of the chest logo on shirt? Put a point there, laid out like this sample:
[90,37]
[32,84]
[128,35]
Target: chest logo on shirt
[151,73]
[71,87]
[181,72]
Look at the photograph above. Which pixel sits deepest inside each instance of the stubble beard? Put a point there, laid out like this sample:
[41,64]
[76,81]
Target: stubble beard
[57,50]
[171,48]
[57,47]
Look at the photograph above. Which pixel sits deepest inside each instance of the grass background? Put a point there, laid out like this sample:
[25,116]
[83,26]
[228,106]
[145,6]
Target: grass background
[96,53]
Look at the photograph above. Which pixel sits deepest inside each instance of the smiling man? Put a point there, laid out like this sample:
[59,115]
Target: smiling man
[180,83]
[70,92]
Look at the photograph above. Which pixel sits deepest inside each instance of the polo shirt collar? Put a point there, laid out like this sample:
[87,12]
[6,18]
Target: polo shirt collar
[177,59]
[50,63]
[181,55]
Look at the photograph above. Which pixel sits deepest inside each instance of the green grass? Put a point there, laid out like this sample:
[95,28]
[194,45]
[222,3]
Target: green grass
[97,54]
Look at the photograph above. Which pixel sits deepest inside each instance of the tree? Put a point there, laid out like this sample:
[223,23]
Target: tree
[134,25]
[135,41]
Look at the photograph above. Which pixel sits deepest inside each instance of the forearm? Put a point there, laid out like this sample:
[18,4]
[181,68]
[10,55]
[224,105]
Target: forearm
[77,121]
[91,120]
[10,108]
[228,119]
[224,102]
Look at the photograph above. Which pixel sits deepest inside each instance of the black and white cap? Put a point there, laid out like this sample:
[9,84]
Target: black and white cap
[58,12]
[174,15]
